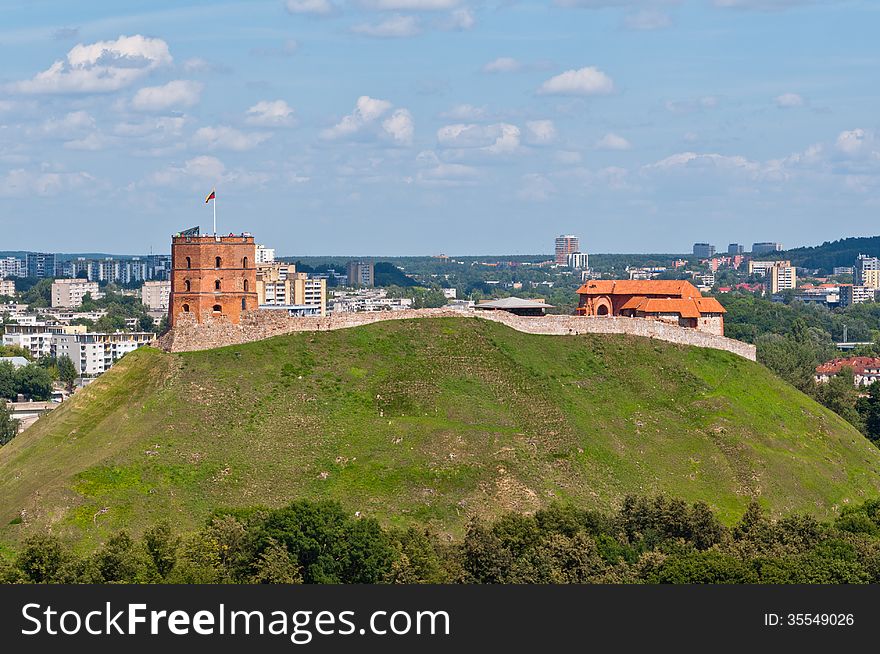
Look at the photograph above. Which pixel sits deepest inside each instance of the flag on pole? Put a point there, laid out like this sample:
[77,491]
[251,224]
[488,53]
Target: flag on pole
[212,196]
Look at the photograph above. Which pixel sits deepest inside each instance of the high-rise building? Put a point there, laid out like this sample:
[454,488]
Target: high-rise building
[279,285]
[579,260]
[40,264]
[13,267]
[566,244]
[765,247]
[866,270]
[360,273]
[704,250]
[155,294]
[7,287]
[212,276]
[736,248]
[781,278]
[856,294]
[265,255]
[69,293]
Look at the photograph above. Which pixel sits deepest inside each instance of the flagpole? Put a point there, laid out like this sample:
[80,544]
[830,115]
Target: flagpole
[215,213]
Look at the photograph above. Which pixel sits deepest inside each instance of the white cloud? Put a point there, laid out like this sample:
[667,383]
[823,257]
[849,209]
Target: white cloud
[227,138]
[502,65]
[393,27]
[435,172]
[540,132]
[267,113]
[568,157]
[612,141]
[163,126]
[316,7]
[410,5]
[647,19]
[460,19]
[175,94]
[854,142]
[583,81]
[535,187]
[204,171]
[690,106]
[788,100]
[399,126]
[367,110]
[762,5]
[498,138]
[70,125]
[27,183]
[712,161]
[288,48]
[466,112]
[99,67]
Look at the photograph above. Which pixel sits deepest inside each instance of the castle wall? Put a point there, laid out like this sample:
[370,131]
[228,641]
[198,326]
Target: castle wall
[188,335]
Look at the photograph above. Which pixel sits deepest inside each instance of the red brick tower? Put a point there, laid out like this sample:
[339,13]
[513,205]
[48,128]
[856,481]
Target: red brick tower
[212,276]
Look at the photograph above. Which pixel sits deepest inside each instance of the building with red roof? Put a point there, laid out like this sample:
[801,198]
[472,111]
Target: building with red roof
[673,301]
[866,370]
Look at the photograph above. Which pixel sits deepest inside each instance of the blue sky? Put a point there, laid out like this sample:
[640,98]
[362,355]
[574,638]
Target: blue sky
[386,127]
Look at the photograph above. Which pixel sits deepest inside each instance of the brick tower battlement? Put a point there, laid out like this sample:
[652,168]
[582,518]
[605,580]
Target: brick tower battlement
[212,276]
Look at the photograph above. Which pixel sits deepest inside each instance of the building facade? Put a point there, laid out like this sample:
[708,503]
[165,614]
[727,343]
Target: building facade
[866,370]
[765,247]
[579,261]
[360,274]
[13,267]
[7,287]
[781,278]
[265,255]
[69,293]
[673,301]
[155,294]
[564,245]
[94,353]
[736,248]
[855,294]
[280,285]
[704,250]
[40,264]
[212,276]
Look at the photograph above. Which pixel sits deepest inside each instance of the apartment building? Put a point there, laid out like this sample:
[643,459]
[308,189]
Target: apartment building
[36,337]
[70,292]
[856,294]
[781,278]
[361,274]
[155,294]
[279,285]
[94,353]
[564,245]
[579,261]
[7,287]
[13,267]
[265,255]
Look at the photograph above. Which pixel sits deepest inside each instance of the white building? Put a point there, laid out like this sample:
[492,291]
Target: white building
[579,260]
[265,255]
[7,287]
[154,295]
[13,267]
[69,292]
[850,294]
[94,353]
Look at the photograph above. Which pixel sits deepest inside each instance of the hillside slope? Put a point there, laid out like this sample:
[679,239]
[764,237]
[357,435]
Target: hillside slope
[426,421]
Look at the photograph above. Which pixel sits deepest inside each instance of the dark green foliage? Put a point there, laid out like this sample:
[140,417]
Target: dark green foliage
[387,274]
[648,540]
[66,371]
[8,424]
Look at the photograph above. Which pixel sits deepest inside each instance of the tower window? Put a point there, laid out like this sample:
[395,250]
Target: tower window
[245,287]
[243,305]
[244,263]
[217,262]
[186,286]
[217,285]
[188,262]
[186,308]
[217,308]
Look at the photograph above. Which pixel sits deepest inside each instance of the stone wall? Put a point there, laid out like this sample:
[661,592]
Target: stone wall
[188,335]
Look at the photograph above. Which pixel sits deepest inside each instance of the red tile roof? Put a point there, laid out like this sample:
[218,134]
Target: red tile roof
[646,287]
[858,364]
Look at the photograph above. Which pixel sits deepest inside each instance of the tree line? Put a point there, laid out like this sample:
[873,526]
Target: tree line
[647,540]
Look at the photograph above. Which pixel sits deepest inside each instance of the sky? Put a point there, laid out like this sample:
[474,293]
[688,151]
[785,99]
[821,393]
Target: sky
[417,127]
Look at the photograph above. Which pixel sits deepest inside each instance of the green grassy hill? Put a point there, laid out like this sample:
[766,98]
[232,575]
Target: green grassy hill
[426,421]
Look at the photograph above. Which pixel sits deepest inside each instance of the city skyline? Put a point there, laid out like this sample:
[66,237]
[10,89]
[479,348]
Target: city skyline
[413,127]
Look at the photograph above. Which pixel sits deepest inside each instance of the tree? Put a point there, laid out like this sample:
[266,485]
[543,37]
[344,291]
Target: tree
[34,382]
[840,395]
[869,412]
[8,381]
[66,372]
[8,424]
